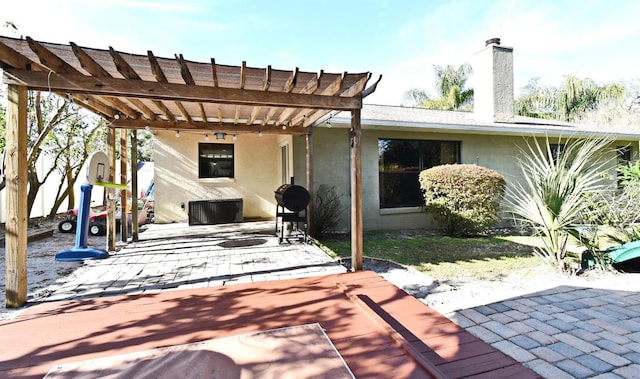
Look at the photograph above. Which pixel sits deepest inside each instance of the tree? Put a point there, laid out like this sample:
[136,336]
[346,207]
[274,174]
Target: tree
[145,146]
[58,129]
[70,145]
[567,102]
[450,88]
[414,97]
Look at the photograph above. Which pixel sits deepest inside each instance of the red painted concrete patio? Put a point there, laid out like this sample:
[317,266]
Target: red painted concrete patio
[379,330]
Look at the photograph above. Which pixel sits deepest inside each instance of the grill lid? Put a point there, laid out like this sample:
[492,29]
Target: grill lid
[293,197]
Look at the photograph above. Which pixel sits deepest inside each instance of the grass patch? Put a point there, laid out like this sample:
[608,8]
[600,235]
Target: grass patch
[444,257]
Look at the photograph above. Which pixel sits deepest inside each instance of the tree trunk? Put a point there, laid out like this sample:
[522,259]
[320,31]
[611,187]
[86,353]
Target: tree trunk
[34,187]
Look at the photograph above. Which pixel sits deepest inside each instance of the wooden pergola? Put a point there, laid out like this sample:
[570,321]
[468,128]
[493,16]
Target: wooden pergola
[148,92]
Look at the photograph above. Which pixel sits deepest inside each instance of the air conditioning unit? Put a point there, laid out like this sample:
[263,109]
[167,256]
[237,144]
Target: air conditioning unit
[211,212]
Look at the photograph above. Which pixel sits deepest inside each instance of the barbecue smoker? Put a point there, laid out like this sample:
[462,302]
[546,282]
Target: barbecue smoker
[291,211]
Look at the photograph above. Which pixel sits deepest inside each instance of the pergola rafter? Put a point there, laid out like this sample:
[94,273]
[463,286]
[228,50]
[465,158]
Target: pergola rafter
[135,91]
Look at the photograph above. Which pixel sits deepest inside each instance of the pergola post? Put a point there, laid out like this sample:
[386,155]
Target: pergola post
[124,227]
[111,200]
[356,192]
[309,143]
[134,185]
[16,198]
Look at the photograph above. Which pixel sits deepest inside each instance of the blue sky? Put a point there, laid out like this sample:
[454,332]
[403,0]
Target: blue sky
[400,39]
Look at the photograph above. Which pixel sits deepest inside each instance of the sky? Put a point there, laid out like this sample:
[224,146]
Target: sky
[401,40]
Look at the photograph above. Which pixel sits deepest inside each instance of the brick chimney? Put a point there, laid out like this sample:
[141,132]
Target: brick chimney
[493,83]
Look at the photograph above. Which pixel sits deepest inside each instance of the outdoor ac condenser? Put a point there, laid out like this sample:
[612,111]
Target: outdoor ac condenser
[210,212]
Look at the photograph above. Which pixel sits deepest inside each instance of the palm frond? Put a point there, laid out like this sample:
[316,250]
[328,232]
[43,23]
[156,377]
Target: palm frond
[551,197]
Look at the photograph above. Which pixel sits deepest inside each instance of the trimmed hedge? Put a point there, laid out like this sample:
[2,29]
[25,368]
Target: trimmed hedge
[464,199]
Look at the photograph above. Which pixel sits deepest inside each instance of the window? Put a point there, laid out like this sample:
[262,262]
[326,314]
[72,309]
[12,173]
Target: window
[624,154]
[556,150]
[284,163]
[400,163]
[624,159]
[215,160]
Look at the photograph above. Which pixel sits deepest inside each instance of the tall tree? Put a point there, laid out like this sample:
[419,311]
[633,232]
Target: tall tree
[70,145]
[567,102]
[59,130]
[415,97]
[451,90]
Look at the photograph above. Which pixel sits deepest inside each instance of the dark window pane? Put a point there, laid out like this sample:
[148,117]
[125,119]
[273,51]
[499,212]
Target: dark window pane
[400,163]
[215,160]
[431,154]
[624,154]
[556,150]
[398,155]
[399,190]
[450,152]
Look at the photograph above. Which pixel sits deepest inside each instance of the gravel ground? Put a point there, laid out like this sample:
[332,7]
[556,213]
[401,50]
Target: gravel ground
[43,270]
[447,296]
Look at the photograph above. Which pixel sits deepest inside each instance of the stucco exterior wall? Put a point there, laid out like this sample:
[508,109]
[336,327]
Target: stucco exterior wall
[257,175]
[332,167]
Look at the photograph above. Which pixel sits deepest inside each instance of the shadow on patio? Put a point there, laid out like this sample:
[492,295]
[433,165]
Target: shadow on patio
[171,288]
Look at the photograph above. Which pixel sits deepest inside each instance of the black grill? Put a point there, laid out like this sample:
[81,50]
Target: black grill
[292,210]
[294,198]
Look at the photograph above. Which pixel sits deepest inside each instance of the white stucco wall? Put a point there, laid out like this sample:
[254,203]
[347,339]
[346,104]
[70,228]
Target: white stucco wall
[332,167]
[257,175]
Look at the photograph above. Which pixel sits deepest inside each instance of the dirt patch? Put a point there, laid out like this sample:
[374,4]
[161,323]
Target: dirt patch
[42,268]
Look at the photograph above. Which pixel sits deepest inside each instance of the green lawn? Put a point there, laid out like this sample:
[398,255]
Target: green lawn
[445,257]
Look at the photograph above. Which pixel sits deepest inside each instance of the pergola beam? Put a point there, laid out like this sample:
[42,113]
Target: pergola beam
[206,127]
[83,84]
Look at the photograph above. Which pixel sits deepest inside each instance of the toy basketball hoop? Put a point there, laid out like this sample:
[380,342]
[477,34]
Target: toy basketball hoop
[96,171]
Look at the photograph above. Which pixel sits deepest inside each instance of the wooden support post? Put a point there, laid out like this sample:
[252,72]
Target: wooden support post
[124,227]
[16,197]
[111,199]
[357,246]
[134,186]
[309,143]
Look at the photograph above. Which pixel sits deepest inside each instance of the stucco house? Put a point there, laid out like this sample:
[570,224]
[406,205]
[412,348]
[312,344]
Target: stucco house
[197,167]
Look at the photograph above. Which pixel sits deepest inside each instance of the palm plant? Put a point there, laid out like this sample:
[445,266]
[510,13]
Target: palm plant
[450,84]
[450,87]
[568,102]
[551,199]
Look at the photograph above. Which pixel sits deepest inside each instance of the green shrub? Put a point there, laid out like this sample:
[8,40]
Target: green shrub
[464,199]
[618,207]
[327,211]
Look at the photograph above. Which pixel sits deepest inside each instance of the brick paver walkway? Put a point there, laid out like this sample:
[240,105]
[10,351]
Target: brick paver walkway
[175,257]
[564,332]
